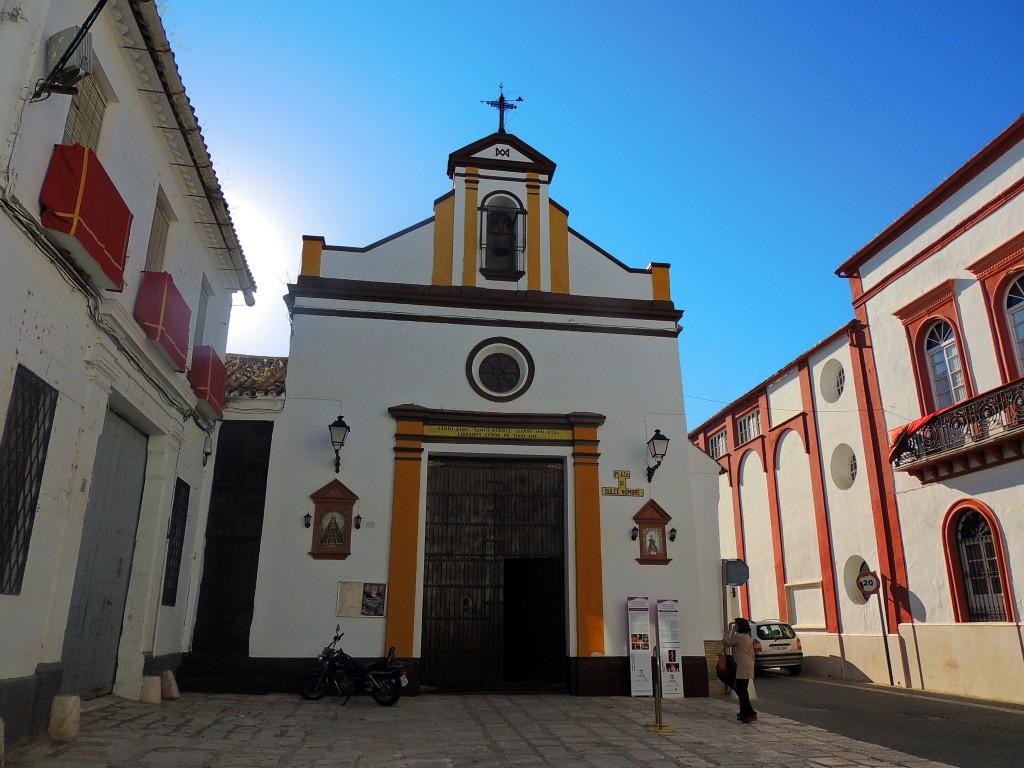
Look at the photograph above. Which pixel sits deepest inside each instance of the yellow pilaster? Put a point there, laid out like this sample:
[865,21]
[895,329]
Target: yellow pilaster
[589,584]
[533,232]
[405,528]
[558,225]
[312,251]
[444,240]
[660,281]
[470,243]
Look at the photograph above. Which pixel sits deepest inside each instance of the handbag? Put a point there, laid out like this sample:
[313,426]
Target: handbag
[722,666]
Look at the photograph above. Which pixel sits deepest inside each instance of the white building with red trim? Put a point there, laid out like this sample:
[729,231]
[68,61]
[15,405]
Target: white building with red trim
[916,472]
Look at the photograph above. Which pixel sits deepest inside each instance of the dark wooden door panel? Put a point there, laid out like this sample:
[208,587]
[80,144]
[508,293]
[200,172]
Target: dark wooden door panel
[233,533]
[495,528]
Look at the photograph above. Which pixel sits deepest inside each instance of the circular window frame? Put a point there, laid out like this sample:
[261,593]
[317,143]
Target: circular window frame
[843,467]
[829,384]
[503,346]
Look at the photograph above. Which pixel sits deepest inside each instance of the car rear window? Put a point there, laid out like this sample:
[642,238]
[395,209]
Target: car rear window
[775,632]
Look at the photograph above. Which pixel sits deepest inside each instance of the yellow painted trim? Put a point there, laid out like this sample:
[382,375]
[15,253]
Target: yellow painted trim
[405,531]
[660,281]
[533,232]
[312,251]
[81,193]
[589,569]
[558,226]
[444,241]
[470,245]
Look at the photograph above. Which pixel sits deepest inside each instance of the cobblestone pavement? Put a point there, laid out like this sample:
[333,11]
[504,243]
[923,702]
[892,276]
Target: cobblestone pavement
[283,731]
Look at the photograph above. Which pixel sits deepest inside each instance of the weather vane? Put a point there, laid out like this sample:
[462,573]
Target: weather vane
[502,105]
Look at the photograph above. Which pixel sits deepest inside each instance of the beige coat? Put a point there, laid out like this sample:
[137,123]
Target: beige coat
[742,653]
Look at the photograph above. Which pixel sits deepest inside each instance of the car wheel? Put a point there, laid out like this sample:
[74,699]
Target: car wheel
[796,670]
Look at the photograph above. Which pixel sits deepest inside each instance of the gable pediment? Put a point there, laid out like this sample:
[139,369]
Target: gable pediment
[501,151]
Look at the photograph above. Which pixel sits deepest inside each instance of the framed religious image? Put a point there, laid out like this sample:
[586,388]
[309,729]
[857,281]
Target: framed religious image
[651,520]
[332,522]
[373,599]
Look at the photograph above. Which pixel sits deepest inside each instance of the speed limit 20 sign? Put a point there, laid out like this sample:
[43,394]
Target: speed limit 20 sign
[868,583]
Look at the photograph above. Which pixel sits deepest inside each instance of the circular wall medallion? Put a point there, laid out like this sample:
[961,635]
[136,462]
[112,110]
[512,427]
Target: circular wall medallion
[499,369]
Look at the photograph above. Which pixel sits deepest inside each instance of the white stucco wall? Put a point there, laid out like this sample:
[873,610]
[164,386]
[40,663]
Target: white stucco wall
[424,363]
[757,537]
[47,327]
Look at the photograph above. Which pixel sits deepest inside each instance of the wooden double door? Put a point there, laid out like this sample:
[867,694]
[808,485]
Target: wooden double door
[494,585]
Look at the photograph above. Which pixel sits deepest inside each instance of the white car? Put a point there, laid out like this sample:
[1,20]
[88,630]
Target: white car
[776,645]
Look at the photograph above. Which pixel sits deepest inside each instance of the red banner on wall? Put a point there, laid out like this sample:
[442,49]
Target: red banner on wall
[164,315]
[86,215]
[208,377]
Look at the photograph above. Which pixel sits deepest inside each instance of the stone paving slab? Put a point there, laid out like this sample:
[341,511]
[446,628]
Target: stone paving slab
[434,731]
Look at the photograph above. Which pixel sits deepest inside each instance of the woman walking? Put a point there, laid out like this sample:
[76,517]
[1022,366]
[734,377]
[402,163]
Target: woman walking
[738,638]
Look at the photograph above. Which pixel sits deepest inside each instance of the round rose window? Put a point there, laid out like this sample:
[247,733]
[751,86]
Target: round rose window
[499,369]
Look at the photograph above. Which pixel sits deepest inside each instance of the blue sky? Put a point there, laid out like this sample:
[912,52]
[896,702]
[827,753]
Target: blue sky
[754,146]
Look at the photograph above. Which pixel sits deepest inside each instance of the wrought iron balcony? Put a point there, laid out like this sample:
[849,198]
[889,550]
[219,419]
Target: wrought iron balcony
[985,430]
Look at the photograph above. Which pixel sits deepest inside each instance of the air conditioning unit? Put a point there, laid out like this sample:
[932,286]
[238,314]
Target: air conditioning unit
[79,63]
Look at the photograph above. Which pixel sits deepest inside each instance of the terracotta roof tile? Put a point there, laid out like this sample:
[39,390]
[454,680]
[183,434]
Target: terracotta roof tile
[255,376]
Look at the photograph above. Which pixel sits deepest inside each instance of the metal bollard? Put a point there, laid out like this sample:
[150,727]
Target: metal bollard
[658,726]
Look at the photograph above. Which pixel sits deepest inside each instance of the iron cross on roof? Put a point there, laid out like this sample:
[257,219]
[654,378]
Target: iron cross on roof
[502,105]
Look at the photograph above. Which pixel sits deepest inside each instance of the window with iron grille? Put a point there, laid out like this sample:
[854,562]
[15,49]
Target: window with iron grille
[717,445]
[175,542]
[85,117]
[748,427]
[980,570]
[22,456]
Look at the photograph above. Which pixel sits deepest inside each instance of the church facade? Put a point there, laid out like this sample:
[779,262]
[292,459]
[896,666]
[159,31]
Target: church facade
[491,510]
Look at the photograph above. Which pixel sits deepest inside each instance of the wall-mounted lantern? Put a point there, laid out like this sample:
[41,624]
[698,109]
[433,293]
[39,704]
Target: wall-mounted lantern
[635,533]
[658,447]
[339,431]
[307,519]
[358,521]
[672,534]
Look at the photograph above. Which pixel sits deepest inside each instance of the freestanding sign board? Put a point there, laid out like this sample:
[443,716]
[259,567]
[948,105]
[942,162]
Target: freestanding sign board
[669,648]
[638,611]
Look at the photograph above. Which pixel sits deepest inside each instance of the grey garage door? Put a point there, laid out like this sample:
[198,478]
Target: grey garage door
[104,560]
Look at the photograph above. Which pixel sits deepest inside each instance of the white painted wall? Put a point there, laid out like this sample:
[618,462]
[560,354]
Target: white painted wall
[46,326]
[757,537]
[424,363]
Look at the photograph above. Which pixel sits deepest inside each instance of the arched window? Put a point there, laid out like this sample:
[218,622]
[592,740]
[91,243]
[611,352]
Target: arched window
[979,568]
[1015,319]
[502,237]
[943,358]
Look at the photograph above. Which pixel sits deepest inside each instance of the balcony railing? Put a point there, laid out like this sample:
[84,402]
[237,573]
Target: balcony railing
[987,429]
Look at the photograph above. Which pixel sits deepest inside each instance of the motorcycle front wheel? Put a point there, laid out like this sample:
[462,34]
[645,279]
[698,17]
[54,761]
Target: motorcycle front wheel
[387,693]
[314,684]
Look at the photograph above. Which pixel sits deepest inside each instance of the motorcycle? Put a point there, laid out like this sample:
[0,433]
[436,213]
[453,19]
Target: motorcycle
[339,673]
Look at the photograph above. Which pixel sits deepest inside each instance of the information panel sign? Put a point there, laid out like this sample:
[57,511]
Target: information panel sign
[638,611]
[669,648]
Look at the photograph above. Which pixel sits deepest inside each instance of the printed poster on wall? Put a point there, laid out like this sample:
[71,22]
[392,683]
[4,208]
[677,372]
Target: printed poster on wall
[638,611]
[669,648]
